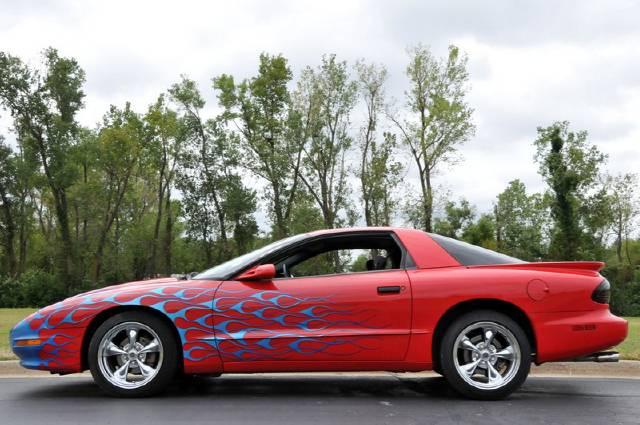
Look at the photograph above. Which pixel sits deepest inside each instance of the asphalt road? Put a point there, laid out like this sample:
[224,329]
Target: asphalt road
[320,399]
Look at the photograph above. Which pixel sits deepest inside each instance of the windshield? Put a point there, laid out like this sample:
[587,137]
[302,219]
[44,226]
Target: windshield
[471,255]
[229,268]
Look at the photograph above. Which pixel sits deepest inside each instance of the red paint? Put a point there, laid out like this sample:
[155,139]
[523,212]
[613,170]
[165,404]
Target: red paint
[537,289]
[341,322]
[353,322]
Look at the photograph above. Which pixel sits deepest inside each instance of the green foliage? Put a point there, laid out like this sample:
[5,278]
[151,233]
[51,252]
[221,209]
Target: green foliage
[438,119]
[482,232]
[34,288]
[570,166]
[625,289]
[171,190]
[456,220]
[379,170]
[521,222]
[623,203]
[43,104]
[7,209]
[324,99]
[215,200]
[269,141]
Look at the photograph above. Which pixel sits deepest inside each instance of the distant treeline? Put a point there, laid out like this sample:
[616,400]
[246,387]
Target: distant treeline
[166,189]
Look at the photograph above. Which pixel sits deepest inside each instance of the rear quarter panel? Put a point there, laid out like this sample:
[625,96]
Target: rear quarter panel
[557,300]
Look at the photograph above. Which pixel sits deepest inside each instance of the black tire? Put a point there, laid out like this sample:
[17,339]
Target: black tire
[166,371]
[448,359]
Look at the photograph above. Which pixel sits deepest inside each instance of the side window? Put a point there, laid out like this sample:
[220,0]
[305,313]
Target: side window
[343,261]
[341,254]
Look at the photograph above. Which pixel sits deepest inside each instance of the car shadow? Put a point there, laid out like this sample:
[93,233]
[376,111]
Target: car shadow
[271,386]
[320,386]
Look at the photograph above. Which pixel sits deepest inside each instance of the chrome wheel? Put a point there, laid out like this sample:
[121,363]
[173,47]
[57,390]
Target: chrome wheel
[130,355]
[486,355]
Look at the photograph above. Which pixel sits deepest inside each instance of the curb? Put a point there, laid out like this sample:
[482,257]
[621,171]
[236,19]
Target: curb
[623,369]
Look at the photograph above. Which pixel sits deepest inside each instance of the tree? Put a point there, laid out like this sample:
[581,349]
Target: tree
[378,172]
[214,196]
[260,110]
[164,143]
[456,219]
[570,167]
[625,209]
[119,145]
[24,166]
[324,99]
[7,210]
[438,120]
[521,222]
[43,106]
[481,232]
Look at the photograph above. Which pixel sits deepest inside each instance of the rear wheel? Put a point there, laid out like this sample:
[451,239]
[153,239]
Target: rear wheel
[485,355]
[133,354]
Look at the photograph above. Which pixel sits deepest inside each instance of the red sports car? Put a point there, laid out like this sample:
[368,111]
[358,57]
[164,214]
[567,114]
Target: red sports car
[338,300]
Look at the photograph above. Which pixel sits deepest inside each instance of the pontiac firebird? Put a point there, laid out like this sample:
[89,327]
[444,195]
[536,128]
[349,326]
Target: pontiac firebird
[411,301]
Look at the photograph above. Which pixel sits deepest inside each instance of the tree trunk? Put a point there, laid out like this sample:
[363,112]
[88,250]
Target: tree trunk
[168,234]
[428,204]
[22,241]
[62,214]
[207,246]
[84,215]
[222,222]
[9,232]
[67,261]
[619,238]
[498,228]
[280,226]
[156,230]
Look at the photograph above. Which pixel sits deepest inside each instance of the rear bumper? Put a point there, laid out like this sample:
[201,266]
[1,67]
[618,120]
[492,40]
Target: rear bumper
[570,335]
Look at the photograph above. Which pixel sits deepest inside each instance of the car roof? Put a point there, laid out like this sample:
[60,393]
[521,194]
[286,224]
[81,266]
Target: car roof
[361,229]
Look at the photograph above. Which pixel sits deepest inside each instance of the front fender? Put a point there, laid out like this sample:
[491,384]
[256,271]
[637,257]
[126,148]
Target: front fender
[60,328]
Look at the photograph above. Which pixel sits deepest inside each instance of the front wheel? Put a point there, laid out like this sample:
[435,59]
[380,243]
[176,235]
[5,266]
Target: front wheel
[133,354]
[485,355]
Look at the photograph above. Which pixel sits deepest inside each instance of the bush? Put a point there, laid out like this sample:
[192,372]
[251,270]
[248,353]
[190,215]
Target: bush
[625,290]
[34,288]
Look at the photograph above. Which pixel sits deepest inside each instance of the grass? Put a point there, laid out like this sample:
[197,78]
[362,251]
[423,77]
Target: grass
[629,350]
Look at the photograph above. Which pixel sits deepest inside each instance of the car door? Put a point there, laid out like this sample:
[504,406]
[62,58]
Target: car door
[364,316]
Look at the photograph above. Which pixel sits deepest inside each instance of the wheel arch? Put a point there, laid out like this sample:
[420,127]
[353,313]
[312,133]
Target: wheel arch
[501,306]
[104,315]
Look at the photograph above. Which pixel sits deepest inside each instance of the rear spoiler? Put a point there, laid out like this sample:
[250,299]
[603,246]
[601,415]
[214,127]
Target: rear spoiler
[594,266]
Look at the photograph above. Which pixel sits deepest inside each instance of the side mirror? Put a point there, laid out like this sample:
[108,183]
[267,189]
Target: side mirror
[261,272]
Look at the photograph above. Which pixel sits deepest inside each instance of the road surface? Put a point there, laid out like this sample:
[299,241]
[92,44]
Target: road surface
[320,399]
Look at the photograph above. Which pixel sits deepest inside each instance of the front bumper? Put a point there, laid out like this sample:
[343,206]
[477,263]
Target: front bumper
[570,335]
[29,355]
[59,350]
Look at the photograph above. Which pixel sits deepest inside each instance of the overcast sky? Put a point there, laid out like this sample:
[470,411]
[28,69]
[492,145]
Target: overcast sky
[530,63]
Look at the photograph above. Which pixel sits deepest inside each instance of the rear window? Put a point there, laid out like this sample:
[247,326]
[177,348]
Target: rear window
[471,255]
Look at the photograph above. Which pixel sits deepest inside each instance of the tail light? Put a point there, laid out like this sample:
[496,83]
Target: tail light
[602,294]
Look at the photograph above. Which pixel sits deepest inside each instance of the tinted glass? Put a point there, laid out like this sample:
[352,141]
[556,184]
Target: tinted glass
[471,255]
[342,261]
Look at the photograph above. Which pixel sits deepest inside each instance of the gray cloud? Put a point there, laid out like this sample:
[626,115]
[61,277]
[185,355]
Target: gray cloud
[531,63]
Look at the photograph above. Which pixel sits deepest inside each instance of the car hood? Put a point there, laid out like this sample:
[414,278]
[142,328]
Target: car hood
[132,286]
[161,294]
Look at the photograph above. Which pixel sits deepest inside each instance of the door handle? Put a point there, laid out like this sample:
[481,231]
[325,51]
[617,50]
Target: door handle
[382,290]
